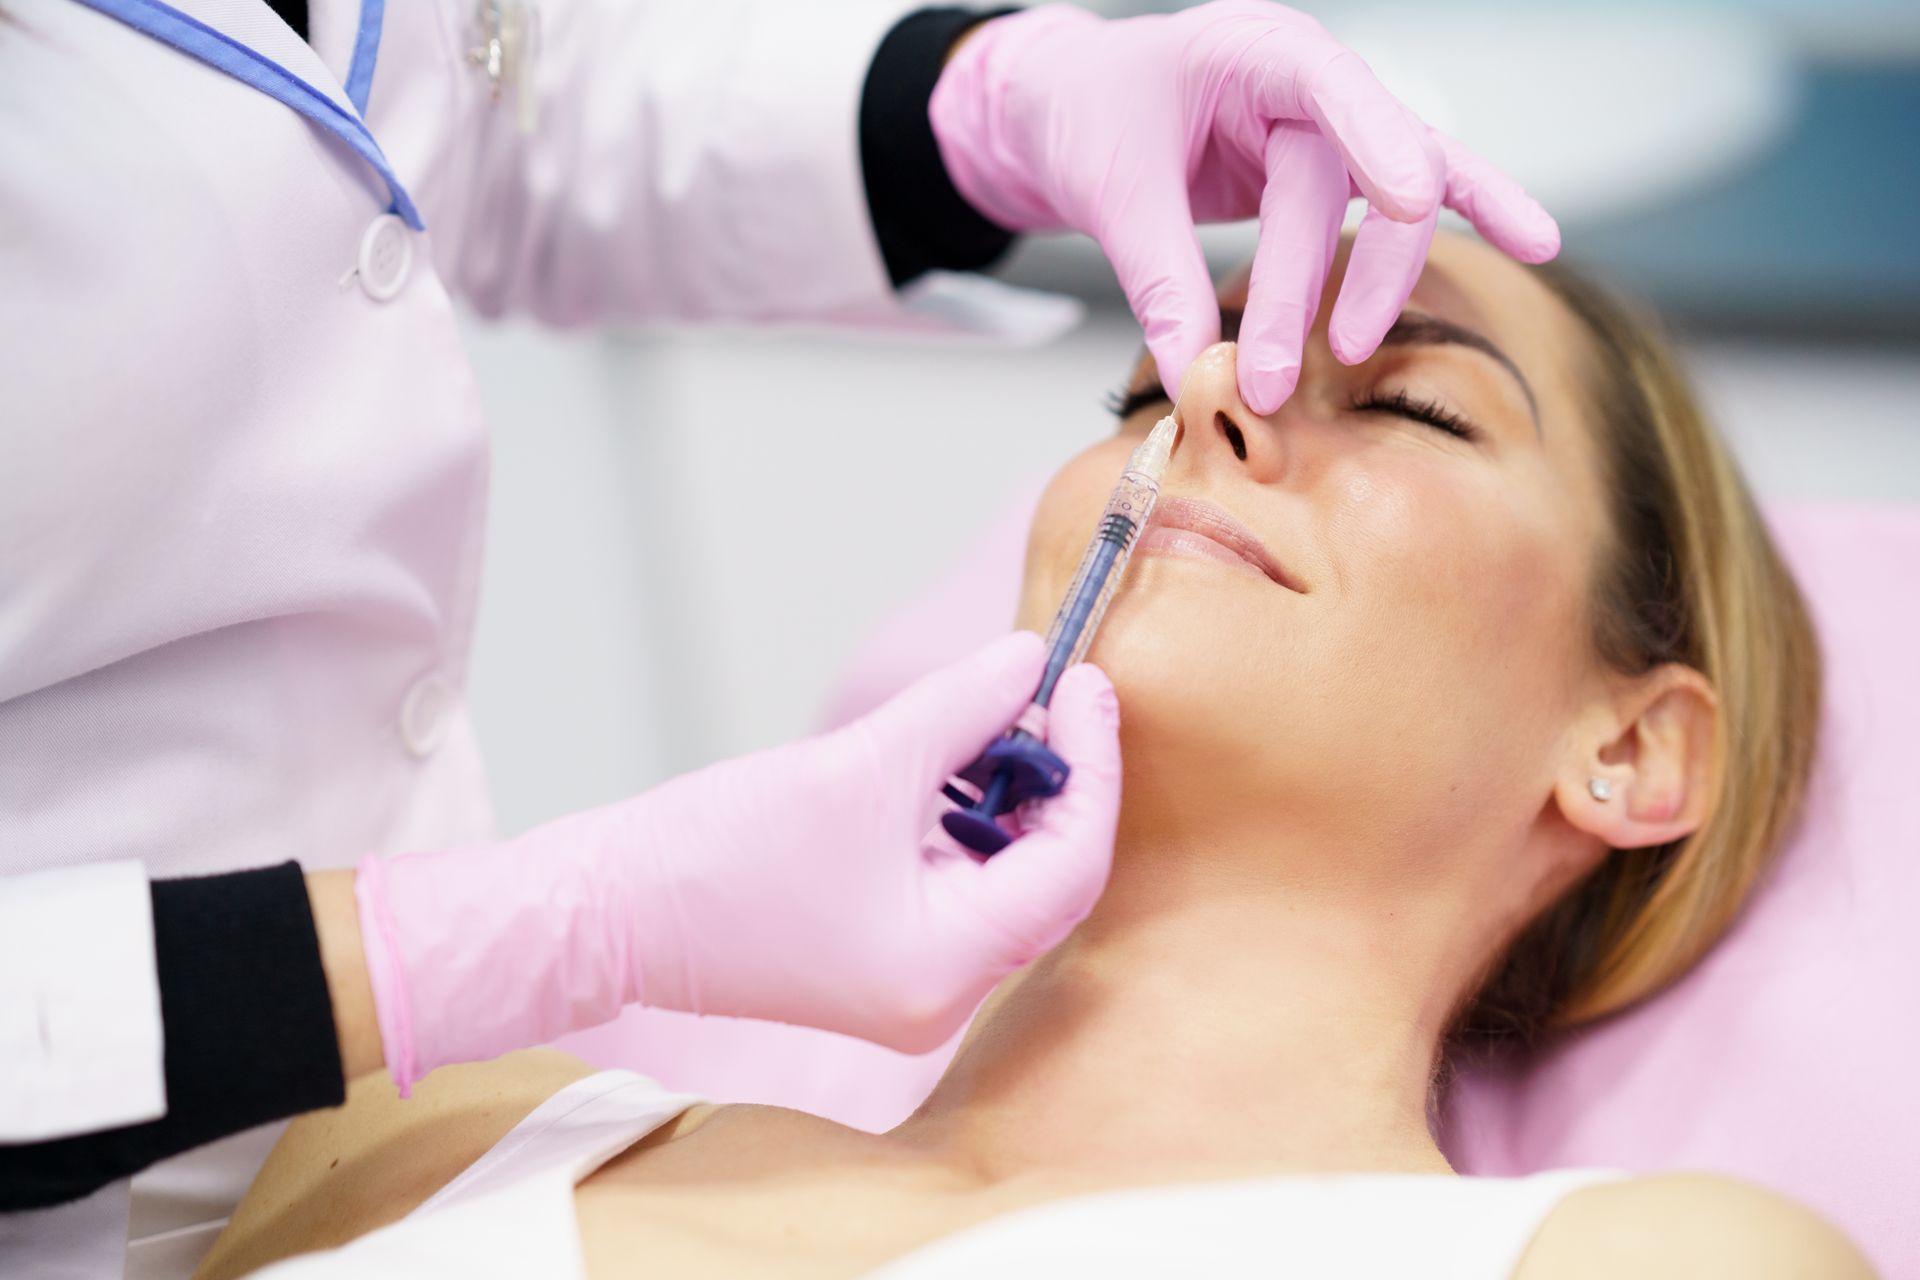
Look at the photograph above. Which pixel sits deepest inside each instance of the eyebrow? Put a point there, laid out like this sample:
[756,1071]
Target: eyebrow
[1417,329]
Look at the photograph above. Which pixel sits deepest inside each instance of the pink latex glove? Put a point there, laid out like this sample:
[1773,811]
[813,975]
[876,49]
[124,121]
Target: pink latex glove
[790,885]
[1132,130]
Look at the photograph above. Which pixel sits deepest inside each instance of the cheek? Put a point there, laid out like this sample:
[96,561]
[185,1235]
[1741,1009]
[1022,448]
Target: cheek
[1464,604]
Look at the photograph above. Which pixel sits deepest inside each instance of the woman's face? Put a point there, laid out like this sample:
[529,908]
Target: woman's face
[1409,674]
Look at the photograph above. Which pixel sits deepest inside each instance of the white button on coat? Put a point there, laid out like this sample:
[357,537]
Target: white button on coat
[424,712]
[386,256]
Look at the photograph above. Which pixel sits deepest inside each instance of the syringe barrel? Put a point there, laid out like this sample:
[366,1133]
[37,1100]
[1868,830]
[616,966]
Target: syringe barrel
[1099,574]
[1018,767]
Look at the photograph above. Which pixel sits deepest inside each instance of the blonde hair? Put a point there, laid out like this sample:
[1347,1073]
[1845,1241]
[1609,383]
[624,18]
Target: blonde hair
[1689,575]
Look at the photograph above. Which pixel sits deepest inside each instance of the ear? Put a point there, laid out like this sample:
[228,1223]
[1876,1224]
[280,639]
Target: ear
[1652,743]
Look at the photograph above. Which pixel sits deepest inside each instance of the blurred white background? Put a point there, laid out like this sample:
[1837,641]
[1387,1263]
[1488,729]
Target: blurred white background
[691,531]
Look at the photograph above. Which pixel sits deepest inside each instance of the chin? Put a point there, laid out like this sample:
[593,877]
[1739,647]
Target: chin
[1197,625]
[1226,718]
[1191,701]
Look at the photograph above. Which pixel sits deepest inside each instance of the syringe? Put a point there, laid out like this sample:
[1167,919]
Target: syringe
[1018,767]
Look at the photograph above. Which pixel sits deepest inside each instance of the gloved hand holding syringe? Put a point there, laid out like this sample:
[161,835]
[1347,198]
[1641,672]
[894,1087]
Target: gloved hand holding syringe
[1018,767]
[791,885]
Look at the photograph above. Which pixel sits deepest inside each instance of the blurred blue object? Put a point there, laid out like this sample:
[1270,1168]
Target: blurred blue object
[1821,234]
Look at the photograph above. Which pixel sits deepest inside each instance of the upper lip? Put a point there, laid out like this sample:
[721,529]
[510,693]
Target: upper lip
[1197,515]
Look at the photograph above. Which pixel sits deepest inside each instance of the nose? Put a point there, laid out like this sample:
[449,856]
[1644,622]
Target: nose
[1217,428]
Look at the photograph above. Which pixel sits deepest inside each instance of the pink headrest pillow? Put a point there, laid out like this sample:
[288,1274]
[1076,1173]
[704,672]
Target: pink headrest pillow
[1786,1057]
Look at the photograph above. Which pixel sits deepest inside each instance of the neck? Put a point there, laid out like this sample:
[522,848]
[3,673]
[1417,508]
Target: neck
[1206,1017]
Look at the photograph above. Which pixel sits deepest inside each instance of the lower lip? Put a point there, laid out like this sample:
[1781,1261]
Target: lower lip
[1185,542]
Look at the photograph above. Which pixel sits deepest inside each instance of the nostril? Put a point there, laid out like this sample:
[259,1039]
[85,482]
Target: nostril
[1236,441]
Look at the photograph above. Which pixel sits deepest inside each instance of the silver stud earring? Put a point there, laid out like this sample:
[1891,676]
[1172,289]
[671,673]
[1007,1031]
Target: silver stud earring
[1600,789]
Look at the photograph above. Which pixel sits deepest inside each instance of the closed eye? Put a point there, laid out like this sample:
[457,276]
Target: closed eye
[1405,405]
[1124,403]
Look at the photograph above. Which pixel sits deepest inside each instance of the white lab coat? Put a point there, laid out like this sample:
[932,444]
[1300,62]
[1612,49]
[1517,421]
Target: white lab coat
[243,469]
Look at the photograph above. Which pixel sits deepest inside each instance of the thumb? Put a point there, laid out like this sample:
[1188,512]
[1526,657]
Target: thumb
[1157,258]
[1043,884]
[944,720]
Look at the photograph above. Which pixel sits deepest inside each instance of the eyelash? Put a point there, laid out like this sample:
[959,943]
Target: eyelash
[1430,412]
[1125,403]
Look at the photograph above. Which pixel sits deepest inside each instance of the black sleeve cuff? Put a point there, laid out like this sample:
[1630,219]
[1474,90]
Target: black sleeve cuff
[922,221]
[248,1025]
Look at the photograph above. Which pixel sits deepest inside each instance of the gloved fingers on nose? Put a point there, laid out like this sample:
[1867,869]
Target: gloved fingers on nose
[1157,258]
[1381,271]
[1499,209]
[950,715]
[1300,214]
[1378,141]
[1046,881]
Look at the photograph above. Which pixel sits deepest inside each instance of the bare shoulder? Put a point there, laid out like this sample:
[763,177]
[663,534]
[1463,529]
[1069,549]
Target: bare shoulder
[1688,1225]
[339,1173]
